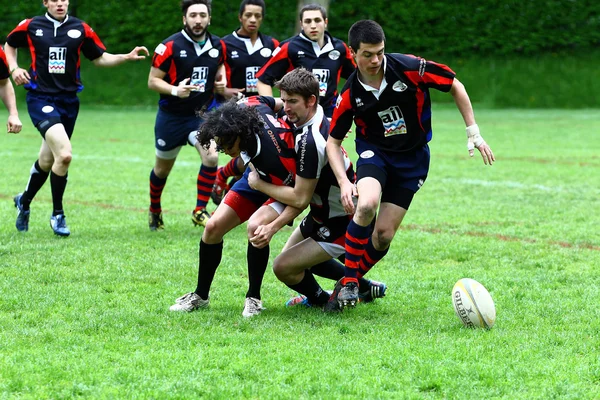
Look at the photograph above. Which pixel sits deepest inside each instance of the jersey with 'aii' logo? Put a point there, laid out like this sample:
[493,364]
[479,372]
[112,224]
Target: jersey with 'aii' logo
[243,60]
[274,157]
[4,71]
[399,118]
[180,57]
[327,64]
[55,49]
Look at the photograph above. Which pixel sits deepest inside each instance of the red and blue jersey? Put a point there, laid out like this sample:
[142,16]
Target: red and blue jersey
[4,71]
[55,49]
[397,117]
[180,57]
[328,64]
[274,158]
[244,59]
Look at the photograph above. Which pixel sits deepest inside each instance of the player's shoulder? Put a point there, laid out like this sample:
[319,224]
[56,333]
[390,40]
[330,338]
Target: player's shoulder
[399,61]
[177,37]
[337,43]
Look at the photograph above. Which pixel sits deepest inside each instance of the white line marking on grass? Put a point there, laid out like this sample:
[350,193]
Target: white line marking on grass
[519,185]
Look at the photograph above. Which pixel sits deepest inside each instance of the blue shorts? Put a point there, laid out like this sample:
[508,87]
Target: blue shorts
[243,199]
[401,175]
[47,110]
[172,130]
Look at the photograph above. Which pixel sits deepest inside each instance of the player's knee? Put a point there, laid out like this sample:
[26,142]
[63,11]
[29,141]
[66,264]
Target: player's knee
[383,238]
[251,228]
[212,232]
[281,269]
[366,210]
[64,158]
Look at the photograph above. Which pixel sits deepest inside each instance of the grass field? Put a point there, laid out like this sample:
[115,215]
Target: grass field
[88,317]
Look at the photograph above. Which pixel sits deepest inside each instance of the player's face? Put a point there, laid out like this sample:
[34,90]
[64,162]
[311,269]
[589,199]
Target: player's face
[251,19]
[298,110]
[57,8]
[314,25]
[369,59]
[233,151]
[196,21]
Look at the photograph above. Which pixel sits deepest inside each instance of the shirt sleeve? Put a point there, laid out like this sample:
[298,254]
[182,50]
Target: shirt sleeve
[163,56]
[18,36]
[276,67]
[92,47]
[4,72]
[343,115]
[349,65]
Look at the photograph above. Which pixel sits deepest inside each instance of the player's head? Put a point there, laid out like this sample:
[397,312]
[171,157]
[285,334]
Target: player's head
[299,91]
[313,18]
[233,127]
[367,43]
[58,9]
[196,17]
[251,15]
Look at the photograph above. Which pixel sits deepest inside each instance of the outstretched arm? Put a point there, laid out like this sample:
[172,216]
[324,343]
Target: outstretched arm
[111,60]
[474,138]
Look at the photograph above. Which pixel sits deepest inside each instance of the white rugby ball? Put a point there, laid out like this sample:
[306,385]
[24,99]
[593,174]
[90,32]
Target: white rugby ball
[473,304]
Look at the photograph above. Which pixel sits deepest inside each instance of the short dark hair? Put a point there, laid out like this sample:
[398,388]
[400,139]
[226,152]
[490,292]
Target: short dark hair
[313,7]
[365,31]
[299,81]
[259,3]
[185,4]
[227,123]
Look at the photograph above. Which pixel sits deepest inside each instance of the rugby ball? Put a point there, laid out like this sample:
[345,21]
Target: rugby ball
[473,304]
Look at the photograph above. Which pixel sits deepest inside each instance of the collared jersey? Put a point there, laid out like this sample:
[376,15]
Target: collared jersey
[327,64]
[243,60]
[275,158]
[399,119]
[180,57]
[56,49]
[4,71]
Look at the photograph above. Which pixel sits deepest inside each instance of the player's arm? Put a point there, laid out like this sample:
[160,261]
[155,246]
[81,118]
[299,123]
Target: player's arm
[19,75]
[157,83]
[111,60]
[298,196]
[221,85]
[264,233]
[264,89]
[474,138]
[7,94]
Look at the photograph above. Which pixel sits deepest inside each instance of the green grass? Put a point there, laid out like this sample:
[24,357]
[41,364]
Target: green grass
[88,317]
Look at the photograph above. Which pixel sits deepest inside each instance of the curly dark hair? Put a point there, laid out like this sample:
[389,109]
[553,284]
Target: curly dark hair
[229,122]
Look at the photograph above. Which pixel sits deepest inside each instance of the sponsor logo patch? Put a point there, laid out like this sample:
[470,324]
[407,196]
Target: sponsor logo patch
[234,54]
[39,32]
[183,54]
[161,143]
[199,77]
[324,232]
[393,121]
[367,154]
[160,49]
[47,109]
[57,60]
[74,34]
[323,76]
[251,81]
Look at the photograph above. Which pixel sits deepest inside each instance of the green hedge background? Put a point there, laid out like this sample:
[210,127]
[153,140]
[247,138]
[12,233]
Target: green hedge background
[527,53]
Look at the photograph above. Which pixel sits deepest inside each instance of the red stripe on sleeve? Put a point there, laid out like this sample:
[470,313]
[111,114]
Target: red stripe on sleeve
[90,34]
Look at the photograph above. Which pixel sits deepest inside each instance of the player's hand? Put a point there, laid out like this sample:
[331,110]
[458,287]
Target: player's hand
[20,76]
[253,177]
[234,92]
[184,90]
[262,236]
[348,192]
[475,141]
[134,54]
[14,124]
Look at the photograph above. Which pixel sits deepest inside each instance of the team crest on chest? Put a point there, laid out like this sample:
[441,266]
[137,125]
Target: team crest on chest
[393,121]
[399,86]
[214,53]
[265,52]
[334,55]
[74,34]
[57,60]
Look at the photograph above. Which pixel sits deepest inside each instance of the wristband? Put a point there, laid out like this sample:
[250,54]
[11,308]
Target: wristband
[474,138]
[174,90]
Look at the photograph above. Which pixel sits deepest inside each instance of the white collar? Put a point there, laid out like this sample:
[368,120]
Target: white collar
[317,118]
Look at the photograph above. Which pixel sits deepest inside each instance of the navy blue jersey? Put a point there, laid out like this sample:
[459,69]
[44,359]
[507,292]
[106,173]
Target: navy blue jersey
[243,60]
[4,71]
[56,49]
[397,118]
[328,64]
[180,57]
[274,158]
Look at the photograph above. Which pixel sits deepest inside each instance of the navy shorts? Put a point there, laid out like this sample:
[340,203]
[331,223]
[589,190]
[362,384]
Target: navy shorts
[172,130]
[401,175]
[243,199]
[47,110]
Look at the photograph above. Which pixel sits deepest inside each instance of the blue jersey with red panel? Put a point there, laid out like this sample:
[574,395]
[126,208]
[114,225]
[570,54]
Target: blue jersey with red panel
[180,57]
[397,117]
[4,71]
[274,157]
[328,64]
[243,59]
[55,49]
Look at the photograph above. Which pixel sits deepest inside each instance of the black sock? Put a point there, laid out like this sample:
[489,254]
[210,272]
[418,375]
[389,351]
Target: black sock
[258,259]
[309,287]
[58,185]
[330,269]
[209,258]
[37,178]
